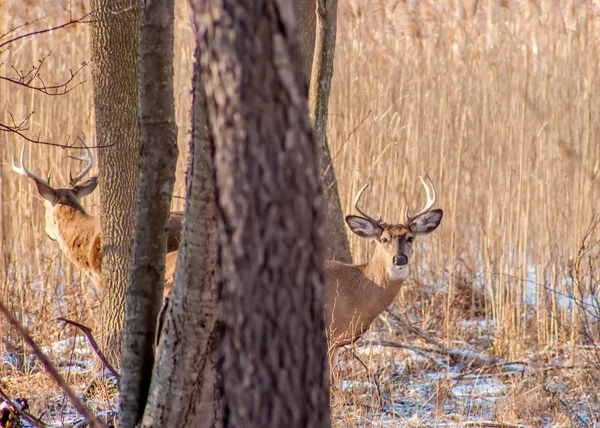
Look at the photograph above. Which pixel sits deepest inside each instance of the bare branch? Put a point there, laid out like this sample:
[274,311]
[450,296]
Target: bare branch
[68,24]
[88,333]
[26,80]
[51,370]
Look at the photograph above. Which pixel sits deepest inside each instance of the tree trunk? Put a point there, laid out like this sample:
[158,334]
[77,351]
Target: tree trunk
[184,389]
[318,68]
[274,351]
[307,24]
[336,247]
[114,40]
[158,160]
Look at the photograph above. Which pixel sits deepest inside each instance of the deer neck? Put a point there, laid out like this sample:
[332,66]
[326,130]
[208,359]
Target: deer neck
[76,233]
[385,280]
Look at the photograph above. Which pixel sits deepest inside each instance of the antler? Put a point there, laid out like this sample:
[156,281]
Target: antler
[364,214]
[430,190]
[89,159]
[23,169]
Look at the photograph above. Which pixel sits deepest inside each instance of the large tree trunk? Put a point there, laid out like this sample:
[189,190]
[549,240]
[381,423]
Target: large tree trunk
[274,351]
[184,391]
[158,160]
[114,41]
[317,35]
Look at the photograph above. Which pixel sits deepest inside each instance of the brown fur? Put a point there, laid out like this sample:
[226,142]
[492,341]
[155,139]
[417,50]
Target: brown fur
[170,265]
[354,295]
[78,233]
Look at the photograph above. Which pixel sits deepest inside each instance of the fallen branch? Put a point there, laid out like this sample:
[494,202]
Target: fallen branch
[424,352]
[90,337]
[491,424]
[456,356]
[51,370]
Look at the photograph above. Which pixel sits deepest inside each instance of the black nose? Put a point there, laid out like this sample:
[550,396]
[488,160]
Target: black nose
[400,260]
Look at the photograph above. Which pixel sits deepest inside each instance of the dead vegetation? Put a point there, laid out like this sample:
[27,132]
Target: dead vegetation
[496,101]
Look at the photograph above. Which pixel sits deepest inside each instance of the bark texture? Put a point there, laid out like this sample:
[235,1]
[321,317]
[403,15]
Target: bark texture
[158,160]
[273,350]
[114,42]
[317,28]
[307,24]
[336,241]
[184,390]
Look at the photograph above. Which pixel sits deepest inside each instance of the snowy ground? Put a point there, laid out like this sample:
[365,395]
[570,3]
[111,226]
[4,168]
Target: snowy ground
[374,386]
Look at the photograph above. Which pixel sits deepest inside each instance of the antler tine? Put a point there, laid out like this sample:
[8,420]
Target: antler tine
[89,159]
[363,213]
[431,197]
[23,169]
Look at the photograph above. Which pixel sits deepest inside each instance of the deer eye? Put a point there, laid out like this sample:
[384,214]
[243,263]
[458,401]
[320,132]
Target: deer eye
[410,239]
[384,240]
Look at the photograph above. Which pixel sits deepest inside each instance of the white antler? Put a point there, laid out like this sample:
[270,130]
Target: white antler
[431,196]
[23,169]
[375,222]
[89,159]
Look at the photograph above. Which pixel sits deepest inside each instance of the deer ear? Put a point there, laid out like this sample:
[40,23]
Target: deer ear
[427,223]
[86,187]
[363,227]
[46,191]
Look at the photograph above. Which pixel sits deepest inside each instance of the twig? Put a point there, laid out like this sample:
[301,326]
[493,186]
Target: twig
[46,30]
[455,355]
[416,331]
[51,370]
[88,333]
[33,421]
[377,386]
[344,143]
[388,343]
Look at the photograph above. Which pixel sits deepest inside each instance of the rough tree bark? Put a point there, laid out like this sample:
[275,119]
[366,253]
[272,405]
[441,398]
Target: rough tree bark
[184,391]
[114,43]
[274,351]
[317,35]
[158,161]
[337,247]
[307,24]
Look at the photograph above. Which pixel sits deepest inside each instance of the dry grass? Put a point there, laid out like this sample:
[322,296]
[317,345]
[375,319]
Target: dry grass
[495,100]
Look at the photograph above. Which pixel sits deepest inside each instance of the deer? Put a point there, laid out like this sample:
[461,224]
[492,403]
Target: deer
[77,232]
[354,295]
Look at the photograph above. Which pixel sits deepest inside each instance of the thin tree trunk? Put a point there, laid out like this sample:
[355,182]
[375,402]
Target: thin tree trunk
[336,241]
[184,390]
[317,21]
[114,42]
[158,160]
[307,24]
[274,350]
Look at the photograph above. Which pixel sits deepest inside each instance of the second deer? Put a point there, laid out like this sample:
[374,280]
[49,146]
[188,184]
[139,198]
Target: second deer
[355,295]
[77,232]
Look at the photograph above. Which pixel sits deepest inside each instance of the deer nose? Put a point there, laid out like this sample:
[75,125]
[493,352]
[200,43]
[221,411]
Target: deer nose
[400,261]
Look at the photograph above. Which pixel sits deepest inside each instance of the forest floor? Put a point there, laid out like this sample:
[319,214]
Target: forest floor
[407,382]
[388,379]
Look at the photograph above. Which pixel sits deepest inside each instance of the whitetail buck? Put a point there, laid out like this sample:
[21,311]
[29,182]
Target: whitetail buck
[355,295]
[76,232]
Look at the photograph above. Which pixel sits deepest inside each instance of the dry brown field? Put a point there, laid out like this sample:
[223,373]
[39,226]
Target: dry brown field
[496,100]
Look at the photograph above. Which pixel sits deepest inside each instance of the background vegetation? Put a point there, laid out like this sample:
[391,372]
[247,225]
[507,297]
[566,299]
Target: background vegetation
[496,100]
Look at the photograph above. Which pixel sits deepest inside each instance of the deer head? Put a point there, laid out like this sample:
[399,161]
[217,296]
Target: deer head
[68,197]
[395,241]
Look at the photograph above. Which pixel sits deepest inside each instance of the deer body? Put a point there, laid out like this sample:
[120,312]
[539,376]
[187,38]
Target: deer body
[354,295]
[82,244]
[78,233]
